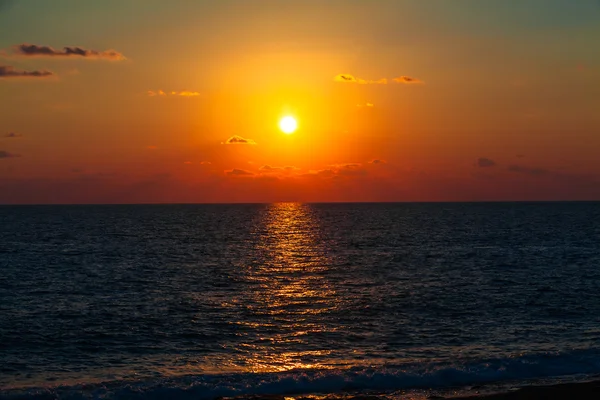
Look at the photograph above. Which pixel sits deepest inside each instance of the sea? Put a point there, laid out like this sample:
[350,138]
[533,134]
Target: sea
[399,300]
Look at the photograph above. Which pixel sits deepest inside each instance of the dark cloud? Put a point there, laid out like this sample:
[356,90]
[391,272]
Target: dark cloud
[6,71]
[378,162]
[337,171]
[239,140]
[32,50]
[6,154]
[239,172]
[350,169]
[407,80]
[483,162]
[528,170]
[12,135]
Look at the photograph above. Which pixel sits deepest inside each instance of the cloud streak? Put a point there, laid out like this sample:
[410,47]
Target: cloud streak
[239,140]
[32,50]
[347,78]
[183,93]
[6,154]
[407,80]
[528,170]
[239,172]
[13,135]
[403,79]
[6,72]
[484,162]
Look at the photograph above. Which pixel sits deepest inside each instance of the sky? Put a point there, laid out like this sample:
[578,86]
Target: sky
[149,101]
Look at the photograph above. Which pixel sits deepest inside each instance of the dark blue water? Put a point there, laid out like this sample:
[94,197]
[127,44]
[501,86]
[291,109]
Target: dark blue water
[171,301]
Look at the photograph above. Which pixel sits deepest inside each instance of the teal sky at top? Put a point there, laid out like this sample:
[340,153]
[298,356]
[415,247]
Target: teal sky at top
[66,21]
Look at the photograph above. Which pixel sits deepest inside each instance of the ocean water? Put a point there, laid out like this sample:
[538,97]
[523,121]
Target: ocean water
[203,301]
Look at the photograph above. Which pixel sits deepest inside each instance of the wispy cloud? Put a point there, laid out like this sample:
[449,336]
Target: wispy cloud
[6,71]
[347,78]
[13,135]
[6,154]
[365,105]
[239,172]
[239,140]
[338,171]
[484,162]
[407,80]
[528,170]
[268,169]
[32,50]
[378,162]
[184,93]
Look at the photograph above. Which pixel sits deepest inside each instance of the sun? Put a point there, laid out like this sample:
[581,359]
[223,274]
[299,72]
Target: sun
[288,125]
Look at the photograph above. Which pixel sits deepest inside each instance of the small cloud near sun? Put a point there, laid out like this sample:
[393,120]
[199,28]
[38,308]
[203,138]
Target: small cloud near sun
[239,172]
[347,78]
[407,80]
[235,139]
[184,93]
[378,162]
[13,135]
[270,169]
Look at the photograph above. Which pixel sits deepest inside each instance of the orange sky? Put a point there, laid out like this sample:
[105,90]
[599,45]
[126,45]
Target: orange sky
[134,101]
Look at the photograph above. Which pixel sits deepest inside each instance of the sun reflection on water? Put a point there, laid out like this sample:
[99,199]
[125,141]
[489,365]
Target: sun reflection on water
[292,295]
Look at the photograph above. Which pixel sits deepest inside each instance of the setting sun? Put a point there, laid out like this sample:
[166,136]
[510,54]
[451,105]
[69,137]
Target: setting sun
[288,125]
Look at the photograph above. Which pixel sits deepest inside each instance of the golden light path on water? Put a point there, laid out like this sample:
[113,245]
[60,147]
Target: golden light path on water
[292,291]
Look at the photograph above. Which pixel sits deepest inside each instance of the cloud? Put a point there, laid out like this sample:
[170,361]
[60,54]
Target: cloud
[347,78]
[12,135]
[378,162]
[188,162]
[239,172]
[337,171]
[287,168]
[152,147]
[205,163]
[6,154]
[349,169]
[6,71]
[528,170]
[365,105]
[187,93]
[483,162]
[184,93]
[407,80]
[239,140]
[32,50]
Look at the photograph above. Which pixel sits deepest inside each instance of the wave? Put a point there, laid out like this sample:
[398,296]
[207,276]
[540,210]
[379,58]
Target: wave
[302,382]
